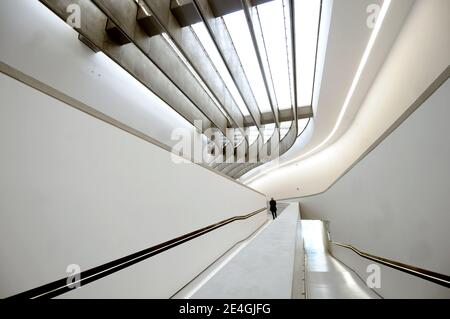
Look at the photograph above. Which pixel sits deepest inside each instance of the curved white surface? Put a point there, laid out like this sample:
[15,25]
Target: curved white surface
[398,84]
[77,190]
[394,203]
[344,73]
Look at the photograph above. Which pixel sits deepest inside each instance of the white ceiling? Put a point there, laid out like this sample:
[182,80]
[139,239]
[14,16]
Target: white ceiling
[344,36]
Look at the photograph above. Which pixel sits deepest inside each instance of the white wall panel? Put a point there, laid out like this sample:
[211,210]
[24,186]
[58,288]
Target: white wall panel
[74,189]
[395,203]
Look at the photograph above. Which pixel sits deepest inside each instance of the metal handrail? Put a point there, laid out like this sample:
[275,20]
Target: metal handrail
[432,276]
[61,286]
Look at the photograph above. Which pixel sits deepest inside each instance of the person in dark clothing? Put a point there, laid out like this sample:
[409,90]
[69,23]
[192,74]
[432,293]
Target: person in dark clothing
[273,208]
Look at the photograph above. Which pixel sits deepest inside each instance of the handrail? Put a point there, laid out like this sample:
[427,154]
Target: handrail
[435,277]
[61,286]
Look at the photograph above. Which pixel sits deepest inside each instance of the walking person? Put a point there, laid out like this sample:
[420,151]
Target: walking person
[273,208]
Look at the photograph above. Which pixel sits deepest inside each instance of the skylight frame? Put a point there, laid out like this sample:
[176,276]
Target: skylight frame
[195,74]
[201,32]
[277,35]
[307,22]
[237,27]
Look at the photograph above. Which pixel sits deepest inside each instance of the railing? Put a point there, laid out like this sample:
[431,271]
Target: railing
[435,277]
[61,286]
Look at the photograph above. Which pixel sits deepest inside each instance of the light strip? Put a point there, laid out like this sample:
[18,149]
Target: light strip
[262,49]
[355,82]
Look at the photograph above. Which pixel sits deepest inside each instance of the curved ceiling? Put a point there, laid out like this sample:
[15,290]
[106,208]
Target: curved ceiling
[342,45]
[204,82]
[398,89]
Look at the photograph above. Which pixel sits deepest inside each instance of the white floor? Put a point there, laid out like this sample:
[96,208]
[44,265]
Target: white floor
[263,268]
[326,277]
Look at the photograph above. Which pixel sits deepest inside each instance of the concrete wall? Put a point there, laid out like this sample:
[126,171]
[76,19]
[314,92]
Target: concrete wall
[76,190]
[395,203]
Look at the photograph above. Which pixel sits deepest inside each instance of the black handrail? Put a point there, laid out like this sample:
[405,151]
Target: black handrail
[432,276]
[61,286]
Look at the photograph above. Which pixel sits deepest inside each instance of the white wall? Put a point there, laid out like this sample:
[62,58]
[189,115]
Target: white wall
[395,203]
[419,55]
[44,47]
[74,189]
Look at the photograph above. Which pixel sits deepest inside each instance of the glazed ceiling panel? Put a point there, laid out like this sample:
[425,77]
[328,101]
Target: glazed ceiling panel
[229,66]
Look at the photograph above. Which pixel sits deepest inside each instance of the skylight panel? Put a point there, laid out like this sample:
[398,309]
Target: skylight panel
[273,24]
[195,74]
[306,14]
[210,48]
[237,26]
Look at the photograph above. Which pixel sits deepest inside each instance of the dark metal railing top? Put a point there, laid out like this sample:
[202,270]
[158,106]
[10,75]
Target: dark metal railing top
[61,286]
[432,276]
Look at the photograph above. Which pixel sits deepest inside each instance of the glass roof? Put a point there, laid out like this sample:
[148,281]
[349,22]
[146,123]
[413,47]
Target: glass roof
[240,34]
[183,59]
[276,31]
[211,49]
[271,24]
[307,13]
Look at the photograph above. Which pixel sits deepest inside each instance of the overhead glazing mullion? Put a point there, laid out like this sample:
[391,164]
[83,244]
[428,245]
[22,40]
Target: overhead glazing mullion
[275,28]
[160,53]
[307,18]
[205,39]
[237,26]
[222,39]
[200,63]
[251,16]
